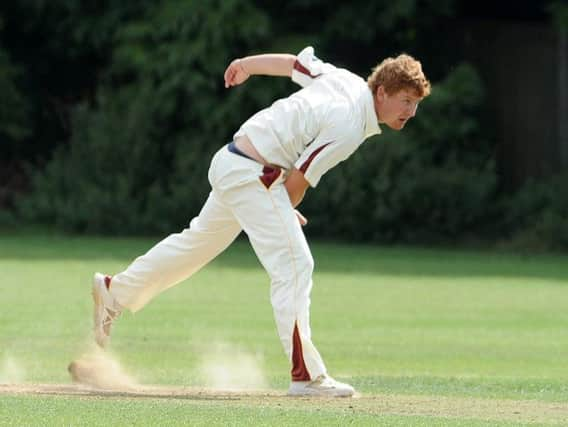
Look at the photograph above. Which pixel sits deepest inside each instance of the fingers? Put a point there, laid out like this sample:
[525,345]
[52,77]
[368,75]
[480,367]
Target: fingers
[230,74]
[303,220]
[234,74]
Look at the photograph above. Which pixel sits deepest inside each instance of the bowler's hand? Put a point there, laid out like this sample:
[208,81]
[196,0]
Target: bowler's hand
[303,220]
[235,74]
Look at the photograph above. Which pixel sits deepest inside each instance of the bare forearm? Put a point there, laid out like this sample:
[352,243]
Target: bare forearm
[296,196]
[296,186]
[271,64]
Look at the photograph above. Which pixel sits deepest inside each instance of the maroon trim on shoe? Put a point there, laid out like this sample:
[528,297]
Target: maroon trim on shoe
[299,370]
[107,281]
[309,160]
[299,67]
[269,175]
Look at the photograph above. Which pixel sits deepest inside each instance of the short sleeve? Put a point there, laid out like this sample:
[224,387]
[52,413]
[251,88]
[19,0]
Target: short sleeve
[308,67]
[322,155]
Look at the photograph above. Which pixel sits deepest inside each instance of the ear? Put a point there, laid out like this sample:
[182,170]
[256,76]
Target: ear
[380,93]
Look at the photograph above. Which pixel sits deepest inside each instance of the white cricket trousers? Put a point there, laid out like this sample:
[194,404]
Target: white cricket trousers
[245,196]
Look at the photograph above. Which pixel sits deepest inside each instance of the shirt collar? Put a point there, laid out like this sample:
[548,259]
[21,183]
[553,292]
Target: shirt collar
[371,121]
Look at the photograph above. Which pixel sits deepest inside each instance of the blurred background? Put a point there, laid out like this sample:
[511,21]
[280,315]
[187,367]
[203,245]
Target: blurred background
[110,112]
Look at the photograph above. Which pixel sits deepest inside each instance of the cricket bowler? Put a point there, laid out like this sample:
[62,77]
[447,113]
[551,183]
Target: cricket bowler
[257,181]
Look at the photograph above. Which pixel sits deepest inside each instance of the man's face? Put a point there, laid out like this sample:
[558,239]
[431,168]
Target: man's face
[396,109]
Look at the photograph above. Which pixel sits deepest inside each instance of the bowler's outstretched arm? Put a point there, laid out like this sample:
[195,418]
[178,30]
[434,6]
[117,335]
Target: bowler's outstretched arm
[271,64]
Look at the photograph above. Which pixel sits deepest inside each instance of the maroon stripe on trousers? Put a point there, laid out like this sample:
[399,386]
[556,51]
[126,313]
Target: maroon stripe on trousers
[269,175]
[309,160]
[299,370]
[299,67]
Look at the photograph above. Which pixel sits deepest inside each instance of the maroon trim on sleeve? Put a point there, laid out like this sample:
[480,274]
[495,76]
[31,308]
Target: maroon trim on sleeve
[299,67]
[309,160]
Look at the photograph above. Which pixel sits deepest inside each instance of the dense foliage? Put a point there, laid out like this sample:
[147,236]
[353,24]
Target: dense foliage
[116,109]
[433,181]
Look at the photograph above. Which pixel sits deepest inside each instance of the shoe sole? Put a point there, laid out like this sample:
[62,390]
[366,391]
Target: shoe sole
[100,337]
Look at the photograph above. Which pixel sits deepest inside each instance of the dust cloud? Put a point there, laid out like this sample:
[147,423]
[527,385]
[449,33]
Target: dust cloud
[225,366]
[100,369]
[11,372]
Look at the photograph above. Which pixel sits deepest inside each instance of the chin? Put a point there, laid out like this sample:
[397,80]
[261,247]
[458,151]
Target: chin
[396,125]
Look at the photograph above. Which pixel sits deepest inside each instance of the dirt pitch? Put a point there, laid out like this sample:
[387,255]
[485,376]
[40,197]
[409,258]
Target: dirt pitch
[434,406]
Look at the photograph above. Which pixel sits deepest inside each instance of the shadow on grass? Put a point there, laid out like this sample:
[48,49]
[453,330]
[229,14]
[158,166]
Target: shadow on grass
[329,257]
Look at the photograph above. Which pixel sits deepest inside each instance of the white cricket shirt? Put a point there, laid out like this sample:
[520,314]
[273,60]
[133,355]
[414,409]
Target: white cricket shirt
[320,125]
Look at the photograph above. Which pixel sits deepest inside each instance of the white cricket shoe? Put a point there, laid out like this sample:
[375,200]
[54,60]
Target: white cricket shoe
[322,386]
[106,310]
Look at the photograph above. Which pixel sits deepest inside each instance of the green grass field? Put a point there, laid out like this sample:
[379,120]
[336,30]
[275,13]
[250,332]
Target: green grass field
[428,338]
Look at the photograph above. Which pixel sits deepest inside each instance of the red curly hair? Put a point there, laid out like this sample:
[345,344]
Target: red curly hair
[402,72]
